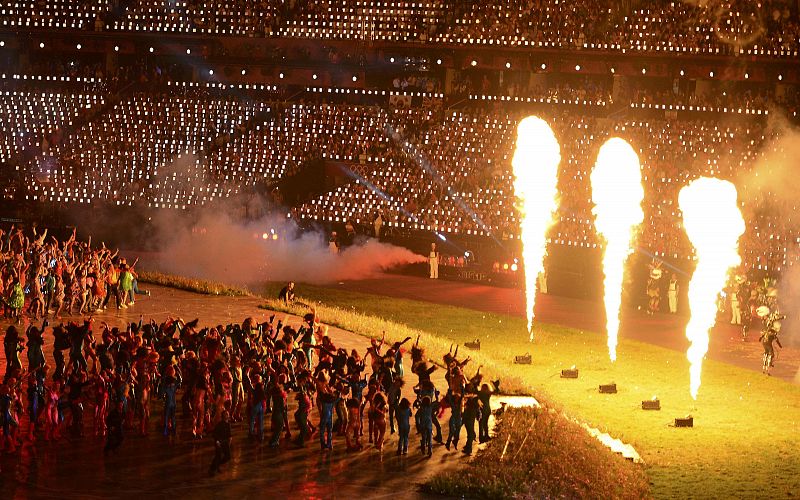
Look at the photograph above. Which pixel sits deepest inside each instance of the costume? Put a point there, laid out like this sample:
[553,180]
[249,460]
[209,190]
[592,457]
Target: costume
[654,288]
[433,261]
[768,337]
[736,311]
[672,295]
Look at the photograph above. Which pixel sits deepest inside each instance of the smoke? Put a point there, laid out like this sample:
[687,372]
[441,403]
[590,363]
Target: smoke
[772,185]
[788,297]
[774,175]
[273,248]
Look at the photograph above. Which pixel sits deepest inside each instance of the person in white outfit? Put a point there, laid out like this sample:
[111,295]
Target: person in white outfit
[378,223]
[672,294]
[333,243]
[542,278]
[736,311]
[433,260]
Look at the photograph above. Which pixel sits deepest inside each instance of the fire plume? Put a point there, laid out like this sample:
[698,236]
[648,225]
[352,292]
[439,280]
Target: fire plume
[617,193]
[713,223]
[535,165]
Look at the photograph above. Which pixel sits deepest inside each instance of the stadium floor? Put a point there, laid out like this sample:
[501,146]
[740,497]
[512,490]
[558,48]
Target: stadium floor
[158,468]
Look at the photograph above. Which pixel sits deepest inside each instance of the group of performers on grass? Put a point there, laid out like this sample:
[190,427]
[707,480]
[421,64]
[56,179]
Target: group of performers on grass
[753,306]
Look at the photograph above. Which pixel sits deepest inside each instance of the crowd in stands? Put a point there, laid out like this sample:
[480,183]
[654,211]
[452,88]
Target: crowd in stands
[765,28]
[456,178]
[423,168]
[214,376]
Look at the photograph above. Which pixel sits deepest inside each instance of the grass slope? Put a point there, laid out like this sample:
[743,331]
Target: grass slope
[540,454]
[744,441]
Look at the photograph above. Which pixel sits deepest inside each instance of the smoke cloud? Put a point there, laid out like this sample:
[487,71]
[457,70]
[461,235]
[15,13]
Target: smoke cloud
[772,184]
[273,248]
[774,175]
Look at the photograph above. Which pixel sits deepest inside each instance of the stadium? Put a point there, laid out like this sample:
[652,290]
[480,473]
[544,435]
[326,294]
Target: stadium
[568,224]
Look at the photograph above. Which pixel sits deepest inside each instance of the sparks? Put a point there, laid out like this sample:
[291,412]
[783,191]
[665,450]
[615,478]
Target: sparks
[714,224]
[617,193]
[535,165]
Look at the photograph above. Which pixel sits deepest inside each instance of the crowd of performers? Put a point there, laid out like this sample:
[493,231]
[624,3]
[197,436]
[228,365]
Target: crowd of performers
[753,307]
[235,373]
[61,277]
[213,376]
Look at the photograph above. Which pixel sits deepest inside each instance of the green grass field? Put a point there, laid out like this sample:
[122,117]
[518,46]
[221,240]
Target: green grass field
[745,437]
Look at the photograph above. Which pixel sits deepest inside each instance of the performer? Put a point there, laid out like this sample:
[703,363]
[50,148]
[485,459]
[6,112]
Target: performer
[286,294]
[768,337]
[653,289]
[672,294]
[378,222]
[736,311]
[542,279]
[433,260]
[333,243]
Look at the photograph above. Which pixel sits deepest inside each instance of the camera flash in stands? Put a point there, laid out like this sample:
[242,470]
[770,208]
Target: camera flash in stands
[746,76]
[544,66]
[280,75]
[2,43]
[151,50]
[188,51]
[78,46]
[613,70]
[711,74]
[355,78]
[682,73]
[211,72]
[438,61]
[314,76]
[577,67]
[474,63]
[391,59]
[116,48]
[508,65]
[41,45]
[244,72]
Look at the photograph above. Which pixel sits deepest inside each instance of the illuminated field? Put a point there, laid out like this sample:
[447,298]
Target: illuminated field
[746,425]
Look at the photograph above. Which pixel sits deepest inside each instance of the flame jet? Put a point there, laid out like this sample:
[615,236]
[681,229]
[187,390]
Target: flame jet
[535,165]
[713,223]
[617,194]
